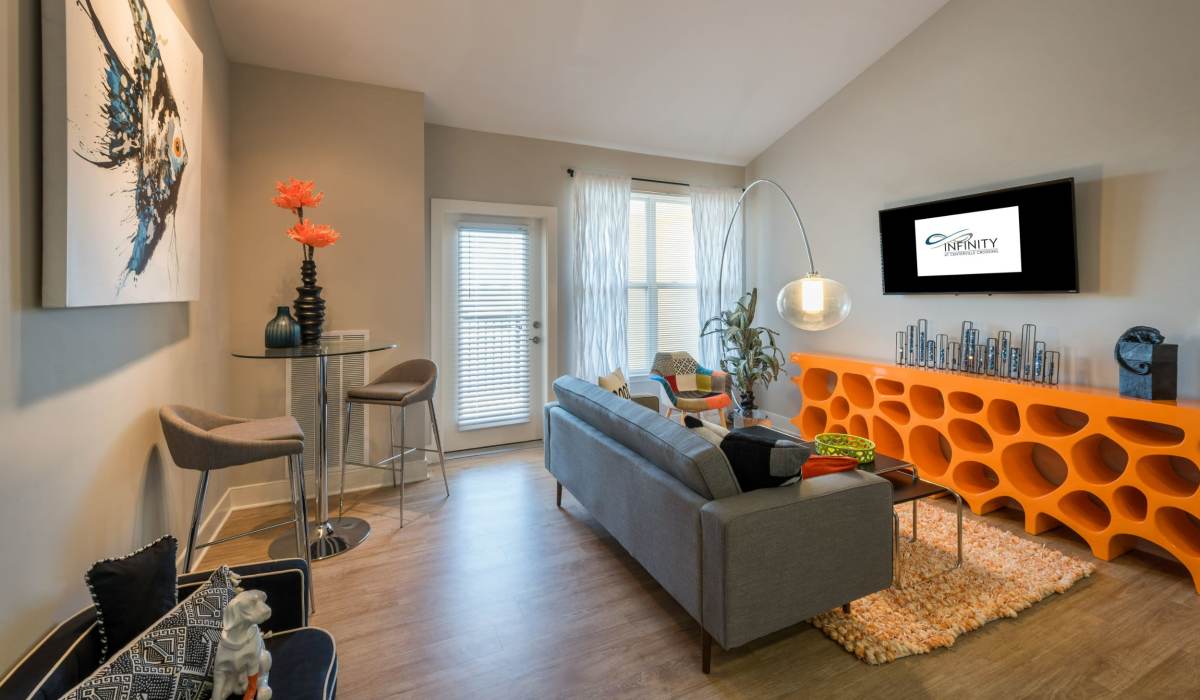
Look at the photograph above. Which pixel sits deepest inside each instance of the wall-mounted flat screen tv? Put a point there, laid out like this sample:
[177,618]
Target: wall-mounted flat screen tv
[1020,239]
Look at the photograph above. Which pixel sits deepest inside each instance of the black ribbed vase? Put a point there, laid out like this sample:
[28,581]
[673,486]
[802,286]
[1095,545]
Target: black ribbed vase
[309,306]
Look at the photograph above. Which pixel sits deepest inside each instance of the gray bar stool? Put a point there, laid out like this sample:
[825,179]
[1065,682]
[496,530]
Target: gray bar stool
[206,441]
[401,386]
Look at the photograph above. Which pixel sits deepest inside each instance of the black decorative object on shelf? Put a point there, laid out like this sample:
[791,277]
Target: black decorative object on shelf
[1148,366]
[282,331]
[310,307]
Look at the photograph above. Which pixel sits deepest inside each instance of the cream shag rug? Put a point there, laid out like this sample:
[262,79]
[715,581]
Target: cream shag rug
[1002,574]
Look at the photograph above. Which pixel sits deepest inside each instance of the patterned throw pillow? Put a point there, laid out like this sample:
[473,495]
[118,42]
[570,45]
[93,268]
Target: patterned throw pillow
[615,383]
[173,660]
[759,457]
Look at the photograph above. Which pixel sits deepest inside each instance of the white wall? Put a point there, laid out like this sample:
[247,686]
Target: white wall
[992,93]
[485,167]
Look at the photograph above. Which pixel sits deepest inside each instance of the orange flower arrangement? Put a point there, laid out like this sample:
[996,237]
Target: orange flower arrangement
[295,195]
[313,235]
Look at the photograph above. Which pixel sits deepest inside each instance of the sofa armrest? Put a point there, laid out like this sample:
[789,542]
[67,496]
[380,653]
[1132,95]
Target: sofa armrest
[775,557]
[285,581]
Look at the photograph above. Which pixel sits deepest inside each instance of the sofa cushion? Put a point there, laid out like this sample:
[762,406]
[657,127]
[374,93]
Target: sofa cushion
[666,444]
[303,664]
[171,660]
[133,591]
[65,656]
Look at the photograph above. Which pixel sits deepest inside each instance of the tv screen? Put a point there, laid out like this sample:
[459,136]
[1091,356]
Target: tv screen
[1020,239]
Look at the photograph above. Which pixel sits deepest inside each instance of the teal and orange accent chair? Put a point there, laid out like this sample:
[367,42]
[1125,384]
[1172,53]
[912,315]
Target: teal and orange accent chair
[690,387]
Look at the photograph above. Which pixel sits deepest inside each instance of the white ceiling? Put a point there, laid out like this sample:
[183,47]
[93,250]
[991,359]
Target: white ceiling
[713,80]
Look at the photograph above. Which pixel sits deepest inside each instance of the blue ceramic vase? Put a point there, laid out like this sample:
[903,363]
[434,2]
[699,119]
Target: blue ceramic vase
[283,331]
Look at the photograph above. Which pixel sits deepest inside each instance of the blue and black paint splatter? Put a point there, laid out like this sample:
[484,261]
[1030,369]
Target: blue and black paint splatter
[142,128]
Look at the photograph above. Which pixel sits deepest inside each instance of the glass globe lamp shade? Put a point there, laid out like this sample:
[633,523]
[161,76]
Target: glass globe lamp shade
[813,303]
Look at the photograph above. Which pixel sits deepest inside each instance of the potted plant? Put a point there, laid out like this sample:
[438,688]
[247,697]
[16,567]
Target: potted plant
[750,355]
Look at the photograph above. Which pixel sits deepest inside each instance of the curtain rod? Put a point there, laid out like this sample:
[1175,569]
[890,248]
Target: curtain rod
[571,172]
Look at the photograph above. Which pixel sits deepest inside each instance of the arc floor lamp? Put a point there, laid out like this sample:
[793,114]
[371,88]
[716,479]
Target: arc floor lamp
[811,303]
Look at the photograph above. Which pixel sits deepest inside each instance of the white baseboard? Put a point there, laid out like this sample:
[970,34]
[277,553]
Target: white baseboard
[272,492]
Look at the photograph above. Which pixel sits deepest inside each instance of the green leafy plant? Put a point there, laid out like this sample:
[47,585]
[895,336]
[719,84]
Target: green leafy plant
[750,355]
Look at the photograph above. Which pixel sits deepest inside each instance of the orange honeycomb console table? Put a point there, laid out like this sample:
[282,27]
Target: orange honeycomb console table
[1113,470]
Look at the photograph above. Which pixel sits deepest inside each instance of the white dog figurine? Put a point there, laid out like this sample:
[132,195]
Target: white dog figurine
[240,653]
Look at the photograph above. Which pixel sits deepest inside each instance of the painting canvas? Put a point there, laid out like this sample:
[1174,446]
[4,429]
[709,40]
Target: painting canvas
[123,101]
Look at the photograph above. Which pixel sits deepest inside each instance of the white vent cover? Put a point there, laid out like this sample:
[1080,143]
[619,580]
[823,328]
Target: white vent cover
[300,396]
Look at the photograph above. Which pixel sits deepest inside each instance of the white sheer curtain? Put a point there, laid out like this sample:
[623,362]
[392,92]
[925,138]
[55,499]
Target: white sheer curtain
[600,273]
[712,208]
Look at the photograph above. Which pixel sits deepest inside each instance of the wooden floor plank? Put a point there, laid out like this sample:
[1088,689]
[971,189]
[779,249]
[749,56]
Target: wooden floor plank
[496,593]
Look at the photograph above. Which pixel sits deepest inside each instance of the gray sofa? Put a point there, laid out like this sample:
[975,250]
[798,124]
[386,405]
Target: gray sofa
[743,565]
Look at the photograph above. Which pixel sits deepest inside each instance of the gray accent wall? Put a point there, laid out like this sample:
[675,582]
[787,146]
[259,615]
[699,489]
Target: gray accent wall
[992,93]
[364,147]
[84,472]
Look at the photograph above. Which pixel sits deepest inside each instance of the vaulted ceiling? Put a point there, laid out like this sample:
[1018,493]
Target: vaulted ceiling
[712,80]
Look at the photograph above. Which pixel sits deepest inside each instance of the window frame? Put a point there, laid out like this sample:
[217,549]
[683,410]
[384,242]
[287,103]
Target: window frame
[651,285]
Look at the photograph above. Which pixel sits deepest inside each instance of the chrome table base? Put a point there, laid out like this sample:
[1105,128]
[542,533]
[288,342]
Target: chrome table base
[339,535]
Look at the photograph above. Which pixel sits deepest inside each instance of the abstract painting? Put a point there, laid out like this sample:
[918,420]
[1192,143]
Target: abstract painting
[123,94]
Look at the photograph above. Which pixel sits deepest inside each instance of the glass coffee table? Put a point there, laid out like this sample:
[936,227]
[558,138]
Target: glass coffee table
[907,487]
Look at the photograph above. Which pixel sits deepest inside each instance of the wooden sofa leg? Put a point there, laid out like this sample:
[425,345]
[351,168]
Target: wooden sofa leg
[846,608]
[558,497]
[705,651]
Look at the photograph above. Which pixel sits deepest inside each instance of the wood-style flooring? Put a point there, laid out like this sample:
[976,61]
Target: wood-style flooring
[495,593]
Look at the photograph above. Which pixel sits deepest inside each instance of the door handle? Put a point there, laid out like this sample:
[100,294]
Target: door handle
[535,339]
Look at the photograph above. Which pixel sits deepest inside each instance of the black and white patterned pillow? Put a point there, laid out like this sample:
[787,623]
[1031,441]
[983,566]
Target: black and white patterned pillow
[173,659]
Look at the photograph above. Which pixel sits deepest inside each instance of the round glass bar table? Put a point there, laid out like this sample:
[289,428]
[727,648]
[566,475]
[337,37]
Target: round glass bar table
[327,538]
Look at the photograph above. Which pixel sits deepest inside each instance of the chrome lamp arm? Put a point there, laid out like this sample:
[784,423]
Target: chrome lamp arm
[810,303]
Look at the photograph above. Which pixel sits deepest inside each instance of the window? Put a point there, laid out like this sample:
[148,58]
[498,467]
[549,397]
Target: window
[493,321]
[662,279]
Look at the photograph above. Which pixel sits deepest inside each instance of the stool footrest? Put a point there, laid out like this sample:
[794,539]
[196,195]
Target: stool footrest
[247,533]
[382,466]
[393,458]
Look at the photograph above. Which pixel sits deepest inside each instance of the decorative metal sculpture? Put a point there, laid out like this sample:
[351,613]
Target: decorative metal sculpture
[1053,362]
[1148,367]
[1002,364]
[996,356]
[1028,338]
[922,334]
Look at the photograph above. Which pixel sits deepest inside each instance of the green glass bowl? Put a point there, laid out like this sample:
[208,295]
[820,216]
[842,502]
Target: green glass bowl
[842,445]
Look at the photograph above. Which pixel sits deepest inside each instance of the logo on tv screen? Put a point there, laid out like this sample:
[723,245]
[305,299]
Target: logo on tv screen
[975,243]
